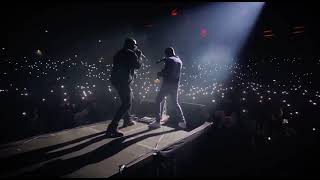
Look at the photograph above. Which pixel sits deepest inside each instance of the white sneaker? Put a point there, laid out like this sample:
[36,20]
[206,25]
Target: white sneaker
[182,125]
[154,124]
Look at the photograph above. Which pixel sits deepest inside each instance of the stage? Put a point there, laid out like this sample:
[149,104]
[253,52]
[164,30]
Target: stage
[85,151]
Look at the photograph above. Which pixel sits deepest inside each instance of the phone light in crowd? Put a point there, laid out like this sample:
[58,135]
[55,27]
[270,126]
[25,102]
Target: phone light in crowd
[43,99]
[39,52]
[285,121]
[269,138]
[157,81]
[24,113]
[62,86]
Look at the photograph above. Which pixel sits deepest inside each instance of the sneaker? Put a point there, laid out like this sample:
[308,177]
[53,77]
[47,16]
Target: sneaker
[129,123]
[154,125]
[114,133]
[182,125]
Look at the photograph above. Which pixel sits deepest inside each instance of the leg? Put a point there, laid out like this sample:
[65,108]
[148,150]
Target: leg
[127,115]
[158,104]
[125,97]
[159,98]
[177,107]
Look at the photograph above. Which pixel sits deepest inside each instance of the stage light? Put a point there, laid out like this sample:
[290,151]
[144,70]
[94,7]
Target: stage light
[203,32]
[174,12]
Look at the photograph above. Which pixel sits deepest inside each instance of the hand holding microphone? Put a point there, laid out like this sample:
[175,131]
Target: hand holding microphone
[161,60]
[140,54]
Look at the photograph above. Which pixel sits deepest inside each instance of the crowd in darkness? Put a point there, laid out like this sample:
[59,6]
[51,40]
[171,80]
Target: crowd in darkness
[264,102]
[270,96]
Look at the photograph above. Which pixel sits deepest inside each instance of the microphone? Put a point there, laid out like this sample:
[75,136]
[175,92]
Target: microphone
[159,61]
[142,55]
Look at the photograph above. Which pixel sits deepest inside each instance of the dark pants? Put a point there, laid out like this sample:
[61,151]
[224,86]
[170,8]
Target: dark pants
[170,89]
[125,94]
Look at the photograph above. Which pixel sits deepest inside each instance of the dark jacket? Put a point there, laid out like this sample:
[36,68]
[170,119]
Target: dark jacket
[172,69]
[124,63]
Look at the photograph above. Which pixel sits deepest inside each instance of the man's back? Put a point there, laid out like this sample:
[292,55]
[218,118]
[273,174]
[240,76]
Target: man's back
[124,63]
[172,69]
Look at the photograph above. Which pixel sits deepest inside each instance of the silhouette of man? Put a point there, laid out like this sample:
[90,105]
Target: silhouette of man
[170,86]
[125,62]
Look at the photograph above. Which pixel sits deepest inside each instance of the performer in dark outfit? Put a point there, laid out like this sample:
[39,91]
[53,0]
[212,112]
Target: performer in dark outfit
[125,62]
[170,86]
